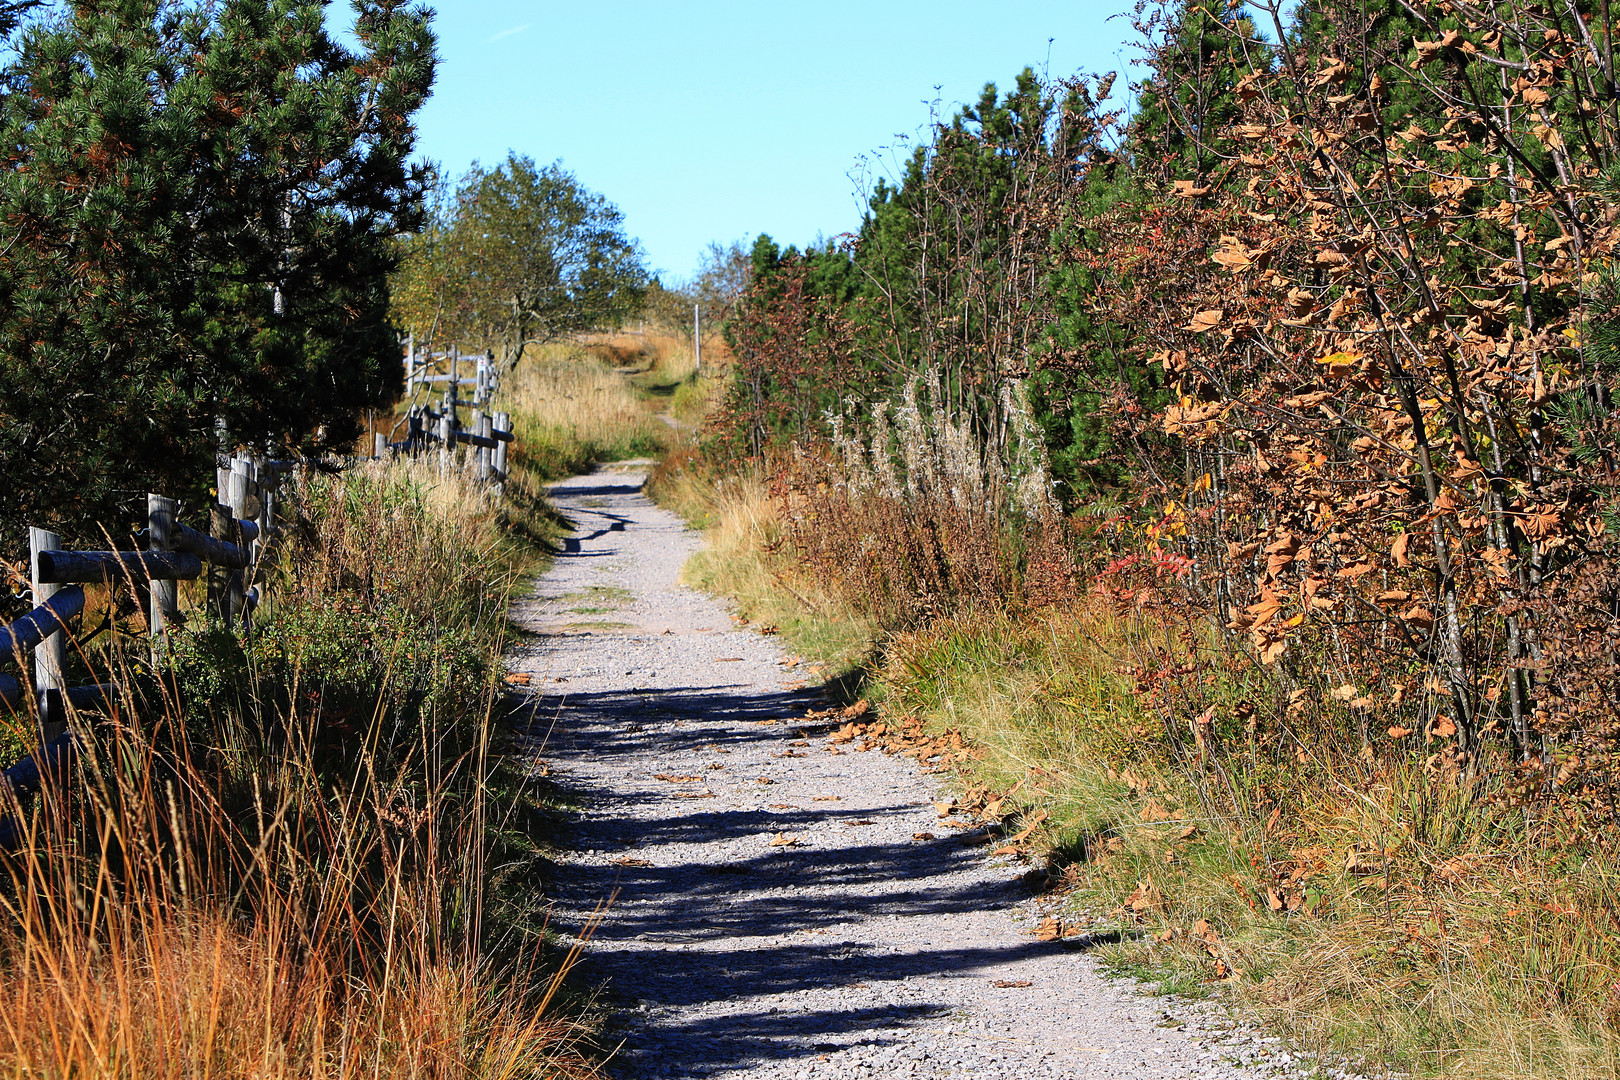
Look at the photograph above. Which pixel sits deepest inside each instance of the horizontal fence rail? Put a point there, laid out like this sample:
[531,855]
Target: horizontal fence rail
[28,632]
[65,567]
[226,556]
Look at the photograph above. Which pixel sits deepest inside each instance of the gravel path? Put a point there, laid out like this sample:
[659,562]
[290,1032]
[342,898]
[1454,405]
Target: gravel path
[783,911]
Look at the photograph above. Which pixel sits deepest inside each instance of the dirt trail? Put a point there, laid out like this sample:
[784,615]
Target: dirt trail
[782,910]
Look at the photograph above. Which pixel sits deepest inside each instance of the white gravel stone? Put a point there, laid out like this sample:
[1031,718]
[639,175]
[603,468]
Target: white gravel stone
[857,952]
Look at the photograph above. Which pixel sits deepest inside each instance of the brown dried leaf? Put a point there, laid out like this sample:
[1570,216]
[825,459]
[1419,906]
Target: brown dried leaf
[1397,550]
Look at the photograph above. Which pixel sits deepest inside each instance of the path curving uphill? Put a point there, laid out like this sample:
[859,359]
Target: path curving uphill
[782,910]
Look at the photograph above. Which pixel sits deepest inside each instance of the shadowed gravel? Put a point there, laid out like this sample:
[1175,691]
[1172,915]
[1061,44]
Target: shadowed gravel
[855,945]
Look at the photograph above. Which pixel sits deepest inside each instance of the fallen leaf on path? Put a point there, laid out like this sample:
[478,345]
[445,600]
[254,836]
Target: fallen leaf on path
[1007,849]
[667,778]
[784,840]
[860,708]
[922,836]
[945,809]
[762,723]
[728,660]
[765,780]
[520,678]
[769,628]
[799,742]
[788,753]
[628,861]
[1011,984]
[829,798]
[863,821]
[694,794]
[783,806]
[715,765]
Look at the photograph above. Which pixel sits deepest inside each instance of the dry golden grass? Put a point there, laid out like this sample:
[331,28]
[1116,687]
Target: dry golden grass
[187,993]
[571,411]
[664,365]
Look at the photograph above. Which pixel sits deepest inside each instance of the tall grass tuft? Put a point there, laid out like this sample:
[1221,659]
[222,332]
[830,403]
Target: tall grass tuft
[273,856]
[913,512]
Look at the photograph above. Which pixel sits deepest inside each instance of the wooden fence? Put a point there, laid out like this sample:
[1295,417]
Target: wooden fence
[228,552]
[431,423]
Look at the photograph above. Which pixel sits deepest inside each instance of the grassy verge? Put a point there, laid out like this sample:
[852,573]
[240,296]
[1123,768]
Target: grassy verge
[1364,906]
[301,852]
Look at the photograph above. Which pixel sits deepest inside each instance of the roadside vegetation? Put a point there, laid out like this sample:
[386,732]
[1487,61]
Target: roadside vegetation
[1234,473]
[303,851]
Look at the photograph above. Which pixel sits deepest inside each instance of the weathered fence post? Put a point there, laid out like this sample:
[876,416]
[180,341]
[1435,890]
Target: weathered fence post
[48,654]
[479,468]
[503,426]
[486,454]
[379,445]
[165,604]
[447,440]
[235,497]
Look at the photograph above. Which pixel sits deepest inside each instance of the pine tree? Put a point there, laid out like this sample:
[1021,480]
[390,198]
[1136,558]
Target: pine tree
[200,210]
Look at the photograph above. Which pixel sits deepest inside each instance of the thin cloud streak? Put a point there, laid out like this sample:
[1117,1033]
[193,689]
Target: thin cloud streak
[504,34]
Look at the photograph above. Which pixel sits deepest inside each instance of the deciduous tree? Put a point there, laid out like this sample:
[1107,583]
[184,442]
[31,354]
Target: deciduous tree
[520,256]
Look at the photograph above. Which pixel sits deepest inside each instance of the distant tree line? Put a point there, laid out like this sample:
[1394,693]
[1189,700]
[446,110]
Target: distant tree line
[1323,332]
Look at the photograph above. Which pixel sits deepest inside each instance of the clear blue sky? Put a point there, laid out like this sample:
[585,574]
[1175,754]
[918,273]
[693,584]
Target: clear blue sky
[719,120]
